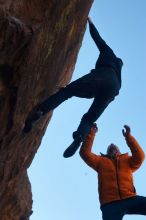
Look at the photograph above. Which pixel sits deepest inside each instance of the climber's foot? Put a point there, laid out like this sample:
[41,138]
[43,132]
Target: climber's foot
[30,121]
[71,150]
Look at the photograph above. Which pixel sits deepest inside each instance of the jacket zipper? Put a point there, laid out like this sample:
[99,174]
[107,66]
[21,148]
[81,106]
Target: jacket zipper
[117,178]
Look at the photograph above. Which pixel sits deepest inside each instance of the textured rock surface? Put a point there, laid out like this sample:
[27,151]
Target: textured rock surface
[39,43]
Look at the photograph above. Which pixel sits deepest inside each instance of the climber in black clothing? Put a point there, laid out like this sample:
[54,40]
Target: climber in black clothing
[102,83]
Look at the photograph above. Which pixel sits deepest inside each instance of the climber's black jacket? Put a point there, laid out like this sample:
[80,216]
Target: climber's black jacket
[107,57]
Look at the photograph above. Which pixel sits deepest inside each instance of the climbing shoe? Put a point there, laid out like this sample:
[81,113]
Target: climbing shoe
[30,121]
[70,151]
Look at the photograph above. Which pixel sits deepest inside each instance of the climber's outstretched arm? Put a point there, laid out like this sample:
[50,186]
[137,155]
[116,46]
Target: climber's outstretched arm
[90,158]
[100,43]
[138,154]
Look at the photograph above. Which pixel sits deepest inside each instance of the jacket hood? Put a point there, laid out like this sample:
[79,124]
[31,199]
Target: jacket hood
[106,155]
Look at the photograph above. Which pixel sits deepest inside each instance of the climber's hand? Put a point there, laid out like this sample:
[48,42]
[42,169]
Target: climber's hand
[94,128]
[127,131]
[89,20]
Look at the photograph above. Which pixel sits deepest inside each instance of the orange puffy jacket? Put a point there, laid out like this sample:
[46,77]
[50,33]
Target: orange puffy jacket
[115,180]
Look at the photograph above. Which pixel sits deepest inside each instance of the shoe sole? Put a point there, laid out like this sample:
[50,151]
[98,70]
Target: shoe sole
[71,150]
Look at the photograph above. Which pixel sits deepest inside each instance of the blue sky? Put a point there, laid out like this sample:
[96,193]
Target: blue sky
[66,189]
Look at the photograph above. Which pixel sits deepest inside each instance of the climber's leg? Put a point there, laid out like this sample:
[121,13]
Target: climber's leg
[76,88]
[49,104]
[98,106]
[55,100]
[137,205]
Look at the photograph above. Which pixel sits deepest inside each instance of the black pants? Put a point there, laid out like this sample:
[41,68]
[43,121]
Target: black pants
[131,206]
[102,85]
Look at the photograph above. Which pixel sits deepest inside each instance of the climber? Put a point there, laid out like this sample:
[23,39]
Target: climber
[117,194]
[102,83]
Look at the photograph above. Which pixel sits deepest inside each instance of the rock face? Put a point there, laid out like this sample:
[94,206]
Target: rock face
[39,43]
